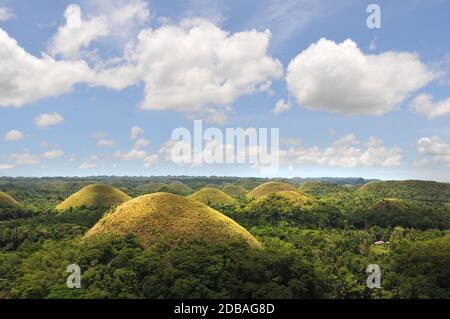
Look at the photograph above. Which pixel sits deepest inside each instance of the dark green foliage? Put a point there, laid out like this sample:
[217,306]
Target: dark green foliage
[311,251]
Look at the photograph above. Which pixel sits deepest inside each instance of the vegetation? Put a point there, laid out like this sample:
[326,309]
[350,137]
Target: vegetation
[283,244]
[270,187]
[6,201]
[322,189]
[234,191]
[432,193]
[177,188]
[95,196]
[212,197]
[171,218]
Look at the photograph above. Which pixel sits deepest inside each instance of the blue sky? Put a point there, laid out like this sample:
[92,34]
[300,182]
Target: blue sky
[77,76]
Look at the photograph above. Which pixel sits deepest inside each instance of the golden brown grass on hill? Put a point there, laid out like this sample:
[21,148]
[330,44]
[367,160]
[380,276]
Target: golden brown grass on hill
[212,197]
[173,218]
[7,201]
[96,196]
[271,187]
[235,191]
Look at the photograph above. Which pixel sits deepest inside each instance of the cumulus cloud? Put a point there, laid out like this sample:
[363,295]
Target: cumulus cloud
[424,104]
[131,155]
[196,67]
[136,131]
[88,165]
[13,136]
[348,151]
[77,33]
[141,143]
[434,150]
[5,14]
[193,67]
[25,78]
[48,119]
[5,166]
[280,107]
[53,154]
[195,64]
[106,143]
[340,78]
[150,160]
[117,18]
[25,158]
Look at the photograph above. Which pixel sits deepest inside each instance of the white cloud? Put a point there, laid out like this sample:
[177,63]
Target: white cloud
[424,104]
[141,143]
[13,136]
[25,158]
[106,143]
[347,152]
[116,18]
[150,160]
[48,119]
[281,107]
[196,68]
[131,155]
[136,131]
[193,67]
[196,64]
[341,78]
[434,150]
[88,165]
[213,115]
[5,166]
[77,33]
[25,78]
[6,14]
[180,153]
[53,154]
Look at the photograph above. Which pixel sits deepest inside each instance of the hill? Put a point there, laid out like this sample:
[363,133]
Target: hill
[177,188]
[297,198]
[95,196]
[6,201]
[212,197]
[234,191]
[151,187]
[393,212]
[321,189]
[422,191]
[393,205]
[270,187]
[172,218]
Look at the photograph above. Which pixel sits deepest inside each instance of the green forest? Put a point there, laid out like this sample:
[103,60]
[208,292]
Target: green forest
[213,237]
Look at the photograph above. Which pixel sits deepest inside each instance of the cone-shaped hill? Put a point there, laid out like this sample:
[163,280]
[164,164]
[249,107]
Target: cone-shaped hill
[234,191]
[95,196]
[418,191]
[179,188]
[271,187]
[171,218]
[391,205]
[212,197]
[6,201]
[151,187]
[297,198]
